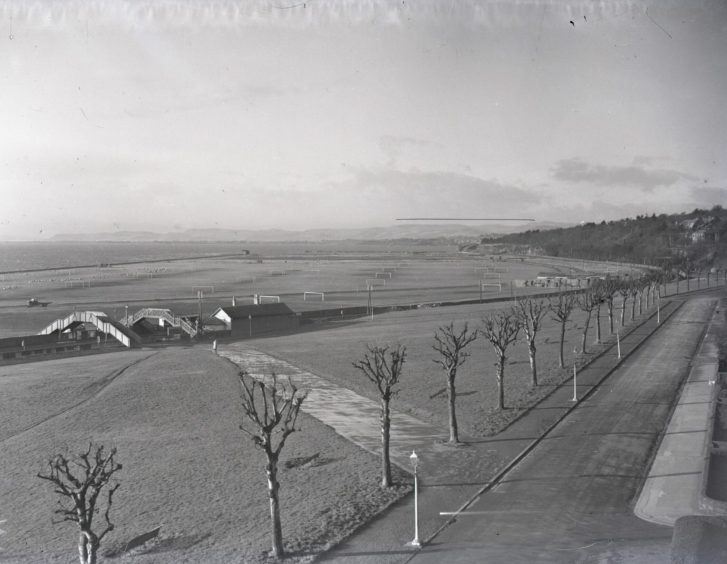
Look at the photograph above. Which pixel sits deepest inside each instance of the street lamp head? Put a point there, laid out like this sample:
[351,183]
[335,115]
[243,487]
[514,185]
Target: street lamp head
[414,459]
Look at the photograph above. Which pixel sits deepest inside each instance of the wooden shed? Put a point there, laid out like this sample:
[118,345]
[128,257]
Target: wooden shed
[257,319]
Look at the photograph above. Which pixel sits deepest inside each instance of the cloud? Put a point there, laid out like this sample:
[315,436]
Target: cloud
[578,170]
[384,191]
[392,146]
[708,196]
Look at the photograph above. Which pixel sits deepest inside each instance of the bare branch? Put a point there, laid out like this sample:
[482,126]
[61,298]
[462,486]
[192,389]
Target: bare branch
[95,470]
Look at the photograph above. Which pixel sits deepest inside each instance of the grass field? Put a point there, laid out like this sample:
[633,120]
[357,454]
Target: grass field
[330,352]
[401,278]
[173,415]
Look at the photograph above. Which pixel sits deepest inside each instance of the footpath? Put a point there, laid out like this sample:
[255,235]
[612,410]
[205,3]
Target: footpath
[352,416]
[450,477]
[675,484]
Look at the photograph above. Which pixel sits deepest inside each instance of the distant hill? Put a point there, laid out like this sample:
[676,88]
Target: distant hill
[698,237]
[403,231]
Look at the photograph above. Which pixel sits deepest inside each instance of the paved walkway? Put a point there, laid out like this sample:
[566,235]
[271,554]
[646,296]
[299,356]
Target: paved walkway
[352,416]
[673,486]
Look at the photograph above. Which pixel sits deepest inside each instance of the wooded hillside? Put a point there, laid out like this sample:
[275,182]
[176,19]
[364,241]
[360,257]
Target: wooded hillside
[698,238]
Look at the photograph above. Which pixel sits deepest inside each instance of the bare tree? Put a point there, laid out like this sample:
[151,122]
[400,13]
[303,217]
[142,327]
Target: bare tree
[598,297]
[650,283]
[530,314]
[273,409]
[624,290]
[644,290]
[587,302]
[384,373]
[501,330]
[561,308]
[79,482]
[610,289]
[451,344]
[634,288]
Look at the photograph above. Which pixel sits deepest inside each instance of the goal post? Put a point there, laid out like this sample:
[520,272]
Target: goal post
[271,298]
[308,293]
[204,289]
[491,284]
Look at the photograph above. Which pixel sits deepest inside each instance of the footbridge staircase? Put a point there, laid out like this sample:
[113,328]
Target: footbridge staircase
[166,315]
[125,335]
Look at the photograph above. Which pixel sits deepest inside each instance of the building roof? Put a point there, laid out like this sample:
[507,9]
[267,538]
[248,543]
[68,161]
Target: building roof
[260,310]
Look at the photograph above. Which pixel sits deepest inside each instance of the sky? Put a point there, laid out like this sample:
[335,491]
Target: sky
[295,114]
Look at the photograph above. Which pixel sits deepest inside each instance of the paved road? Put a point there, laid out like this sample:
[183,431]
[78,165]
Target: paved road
[570,500]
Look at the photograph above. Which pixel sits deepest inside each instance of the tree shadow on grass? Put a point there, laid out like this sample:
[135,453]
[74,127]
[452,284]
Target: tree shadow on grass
[308,461]
[159,545]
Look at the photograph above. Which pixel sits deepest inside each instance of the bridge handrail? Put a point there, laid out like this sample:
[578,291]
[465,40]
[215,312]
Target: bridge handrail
[165,314]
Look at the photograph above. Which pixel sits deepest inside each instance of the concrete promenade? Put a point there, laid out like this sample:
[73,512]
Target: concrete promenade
[570,499]
[674,484]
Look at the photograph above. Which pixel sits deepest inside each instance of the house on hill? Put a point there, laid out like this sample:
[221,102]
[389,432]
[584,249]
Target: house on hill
[257,319]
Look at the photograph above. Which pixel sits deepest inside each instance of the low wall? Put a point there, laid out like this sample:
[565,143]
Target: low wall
[699,539]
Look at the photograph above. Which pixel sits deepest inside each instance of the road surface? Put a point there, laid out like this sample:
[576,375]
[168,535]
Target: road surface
[570,499]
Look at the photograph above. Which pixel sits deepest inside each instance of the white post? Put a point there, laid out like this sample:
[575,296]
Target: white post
[658,313]
[575,389]
[618,344]
[414,460]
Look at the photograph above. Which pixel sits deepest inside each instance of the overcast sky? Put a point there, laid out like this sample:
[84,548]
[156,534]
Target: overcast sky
[296,114]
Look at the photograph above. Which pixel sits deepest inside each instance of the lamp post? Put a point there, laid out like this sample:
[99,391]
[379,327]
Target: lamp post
[618,344]
[658,312]
[126,314]
[575,375]
[414,462]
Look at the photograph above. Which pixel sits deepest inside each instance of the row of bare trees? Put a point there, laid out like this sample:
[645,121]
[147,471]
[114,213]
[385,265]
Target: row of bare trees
[501,330]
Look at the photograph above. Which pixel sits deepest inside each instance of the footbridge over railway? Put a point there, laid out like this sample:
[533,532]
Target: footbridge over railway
[98,319]
[165,316]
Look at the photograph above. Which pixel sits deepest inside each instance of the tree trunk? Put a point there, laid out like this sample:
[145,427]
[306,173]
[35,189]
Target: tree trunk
[87,546]
[276,529]
[623,312]
[533,366]
[598,323]
[501,383]
[385,427]
[83,555]
[585,332]
[641,303]
[677,284]
[610,318]
[92,551]
[453,432]
[562,337]
[633,307]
